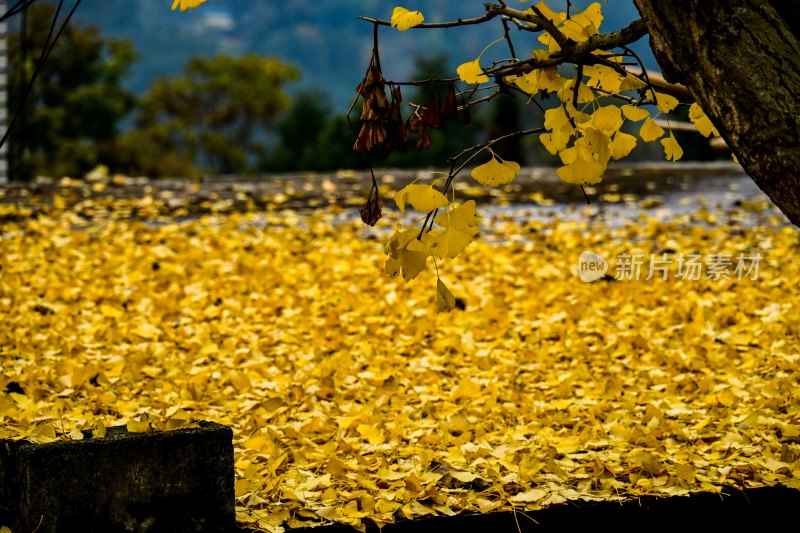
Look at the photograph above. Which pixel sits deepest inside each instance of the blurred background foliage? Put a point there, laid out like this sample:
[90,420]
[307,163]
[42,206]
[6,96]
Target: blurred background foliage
[71,117]
[229,110]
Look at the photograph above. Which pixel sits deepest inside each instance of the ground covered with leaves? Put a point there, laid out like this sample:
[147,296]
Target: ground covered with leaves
[352,400]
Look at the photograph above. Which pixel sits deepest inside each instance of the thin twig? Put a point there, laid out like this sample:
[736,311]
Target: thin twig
[430,25]
[423,82]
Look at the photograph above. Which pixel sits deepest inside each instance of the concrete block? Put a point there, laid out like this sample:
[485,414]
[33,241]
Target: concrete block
[172,481]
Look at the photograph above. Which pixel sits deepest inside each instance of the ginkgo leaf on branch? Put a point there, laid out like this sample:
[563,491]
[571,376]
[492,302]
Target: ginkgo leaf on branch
[634,113]
[495,172]
[672,149]
[407,255]
[665,102]
[580,26]
[622,145]
[423,198]
[463,218]
[631,83]
[471,72]
[445,301]
[650,131]
[447,243]
[607,118]
[701,121]
[581,172]
[603,77]
[403,19]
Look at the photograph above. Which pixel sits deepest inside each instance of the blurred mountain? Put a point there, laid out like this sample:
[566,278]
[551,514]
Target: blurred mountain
[325,39]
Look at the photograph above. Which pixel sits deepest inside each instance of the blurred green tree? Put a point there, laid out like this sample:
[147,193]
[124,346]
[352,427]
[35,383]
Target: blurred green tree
[68,123]
[310,137]
[215,118]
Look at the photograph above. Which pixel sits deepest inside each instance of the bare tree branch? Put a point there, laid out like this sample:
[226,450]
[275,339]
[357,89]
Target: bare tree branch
[431,25]
[533,17]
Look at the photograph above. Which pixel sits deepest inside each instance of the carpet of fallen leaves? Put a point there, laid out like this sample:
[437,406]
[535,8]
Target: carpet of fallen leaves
[351,400]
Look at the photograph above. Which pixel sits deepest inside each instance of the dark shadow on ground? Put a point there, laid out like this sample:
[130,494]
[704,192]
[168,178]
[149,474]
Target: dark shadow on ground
[768,509]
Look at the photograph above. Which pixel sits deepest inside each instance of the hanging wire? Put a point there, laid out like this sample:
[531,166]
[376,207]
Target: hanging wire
[49,44]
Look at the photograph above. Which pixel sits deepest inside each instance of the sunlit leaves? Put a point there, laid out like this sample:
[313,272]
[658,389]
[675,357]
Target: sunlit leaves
[471,72]
[578,26]
[495,172]
[186,4]
[460,228]
[422,198]
[701,121]
[403,19]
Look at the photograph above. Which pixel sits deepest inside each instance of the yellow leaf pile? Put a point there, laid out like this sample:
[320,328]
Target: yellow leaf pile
[352,400]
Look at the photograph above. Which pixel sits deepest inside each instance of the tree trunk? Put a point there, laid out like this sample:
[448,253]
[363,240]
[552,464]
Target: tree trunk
[742,64]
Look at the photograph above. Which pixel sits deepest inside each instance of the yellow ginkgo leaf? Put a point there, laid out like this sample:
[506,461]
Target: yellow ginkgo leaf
[549,80]
[186,4]
[650,131]
[556,141]
[701,121]
[555,118]
[99,430]
[603,77]
[445,301]
[462,218]
[568,155]
[407,255]
[581,26]
[567,90]
[672,149]
[423,198]
[665,102]
[545,10]
[634,113]
[578,117]
[138,426]
[370,433]
[448,243]
[581,172]
[622,145]
[631,83]
[495,172]
[607,118]
[471,72]
[403,19]
[597,146]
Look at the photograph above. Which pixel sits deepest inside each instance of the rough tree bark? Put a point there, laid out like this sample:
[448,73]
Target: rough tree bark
[742,64]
